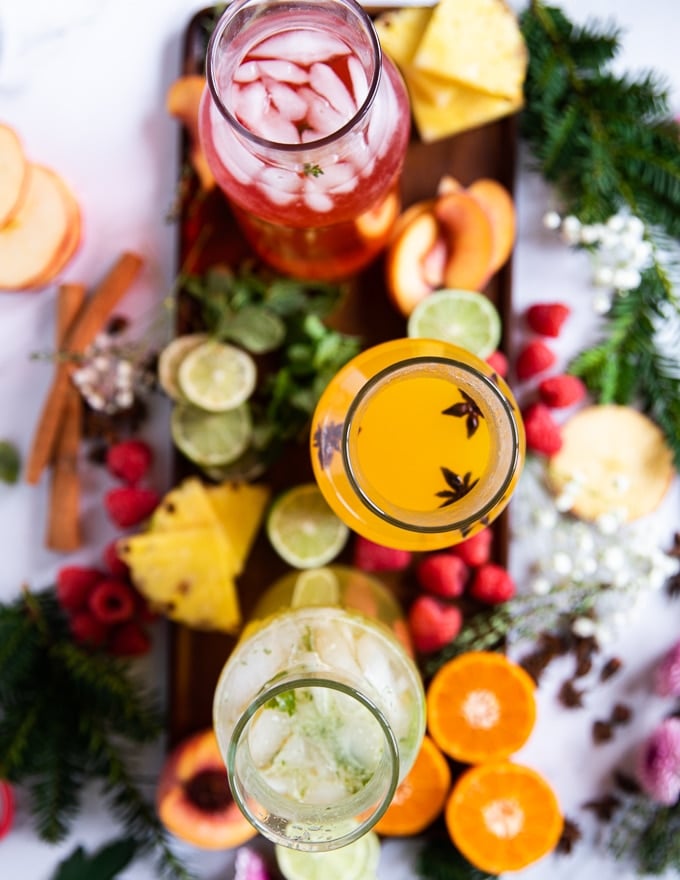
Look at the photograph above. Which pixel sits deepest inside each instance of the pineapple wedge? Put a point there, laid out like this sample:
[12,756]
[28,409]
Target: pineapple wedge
[184,507]
[239,508]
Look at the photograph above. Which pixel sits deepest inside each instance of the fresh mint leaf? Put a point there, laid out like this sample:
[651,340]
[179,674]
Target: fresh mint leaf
[10,462]
[105,864]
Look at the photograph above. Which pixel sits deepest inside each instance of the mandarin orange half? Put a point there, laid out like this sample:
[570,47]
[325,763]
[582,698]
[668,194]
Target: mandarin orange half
[480,707]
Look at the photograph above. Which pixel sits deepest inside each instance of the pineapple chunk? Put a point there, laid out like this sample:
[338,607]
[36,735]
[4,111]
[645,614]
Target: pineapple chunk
[239,507]
[184,507]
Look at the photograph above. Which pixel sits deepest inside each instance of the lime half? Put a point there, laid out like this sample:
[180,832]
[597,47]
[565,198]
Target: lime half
[462,317]
[356,861]
[316,586]
[303,529]
[171,357]
[217,376]
[211,439]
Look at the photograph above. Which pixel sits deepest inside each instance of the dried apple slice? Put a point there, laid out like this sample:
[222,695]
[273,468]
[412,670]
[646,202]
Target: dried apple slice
[469,239]
[13,173]
[500,209]
[183,101]
[412,259]
[70,243]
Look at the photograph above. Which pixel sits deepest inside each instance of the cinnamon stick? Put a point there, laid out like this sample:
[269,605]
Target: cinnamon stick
[90,321]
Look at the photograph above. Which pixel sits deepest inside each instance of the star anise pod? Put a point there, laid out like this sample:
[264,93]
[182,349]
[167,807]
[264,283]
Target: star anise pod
[326,441]
[458,486]
[468,410]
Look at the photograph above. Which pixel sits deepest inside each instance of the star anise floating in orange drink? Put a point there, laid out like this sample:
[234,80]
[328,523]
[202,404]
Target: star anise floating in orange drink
[458,486]
[467,409]
[326,441]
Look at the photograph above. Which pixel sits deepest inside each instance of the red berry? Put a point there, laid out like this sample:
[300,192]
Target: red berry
[129,640]
[543,434]
[369,556]
[534,358]
[492,584]
[6,807]
[442,574]
[433,624]
[475,550]
[74,585]
[547,318]
[112,602]
[113,562]
[129,460]
[498,362]
[561,391]
[86,629]
[130,505]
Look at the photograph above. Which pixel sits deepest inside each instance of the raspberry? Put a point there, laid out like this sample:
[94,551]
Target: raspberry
[498,362]
[129,460]
[369,556]
[543,434]
[442,574]
[86,629]
[113,562]
[534,358]
[130,505]
[492,584]
[475,550]
[546,319]
[561,391]
[129,640]
[112,602]
[433,624]
[74,585]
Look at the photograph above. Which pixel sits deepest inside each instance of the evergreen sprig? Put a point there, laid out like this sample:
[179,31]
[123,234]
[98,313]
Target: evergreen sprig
[69,717]
[647,833]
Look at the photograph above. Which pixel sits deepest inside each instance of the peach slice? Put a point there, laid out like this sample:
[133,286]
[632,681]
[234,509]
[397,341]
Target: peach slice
[379,220]
[497,202]
[415,261]
[183,102]
[33,239]
[469,240]
[193,799]
[13,173]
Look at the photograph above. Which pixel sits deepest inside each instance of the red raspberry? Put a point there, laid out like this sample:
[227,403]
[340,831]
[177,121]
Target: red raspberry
[129,460]
[74,585]
[475,550]
[542,431]
[6,807]
[112,602]
[369,556]
[129,640]
[492,584]
[498,362]
[534,358]
[561,391]
[86,629]
[442,574]
[546,319]
[113,562]
[433,624]
[130,505]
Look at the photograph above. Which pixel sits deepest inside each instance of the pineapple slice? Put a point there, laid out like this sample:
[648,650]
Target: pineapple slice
[239,507]
[184,507]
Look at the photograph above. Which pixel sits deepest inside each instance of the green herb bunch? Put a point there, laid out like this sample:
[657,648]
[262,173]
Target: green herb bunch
[69,717]
[608,144]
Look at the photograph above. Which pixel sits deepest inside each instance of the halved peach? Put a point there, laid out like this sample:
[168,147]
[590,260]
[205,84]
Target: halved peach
[409,214]
[499,206]
[379,220]
[193,799]
[415,259]
[183,101]
[469,240]
[13,173]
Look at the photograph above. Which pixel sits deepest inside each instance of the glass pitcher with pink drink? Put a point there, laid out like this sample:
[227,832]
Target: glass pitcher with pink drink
[305,126]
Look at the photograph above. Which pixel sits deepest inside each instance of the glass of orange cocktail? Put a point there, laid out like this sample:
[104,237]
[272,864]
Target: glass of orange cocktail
[417,444]
[305,126]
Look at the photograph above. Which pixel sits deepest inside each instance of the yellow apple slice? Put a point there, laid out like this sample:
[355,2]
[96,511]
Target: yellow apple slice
[70,243]
[13,173]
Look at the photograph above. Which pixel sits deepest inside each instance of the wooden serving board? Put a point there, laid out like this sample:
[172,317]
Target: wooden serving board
[208,235]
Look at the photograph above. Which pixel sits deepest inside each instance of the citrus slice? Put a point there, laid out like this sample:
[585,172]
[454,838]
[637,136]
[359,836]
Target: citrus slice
[217,376]
[503,816]
[480,707]
[256,329]
[461,317]
[210,439]
[171,357]
[421,795]
[316,586]
[303,529]
[356,861]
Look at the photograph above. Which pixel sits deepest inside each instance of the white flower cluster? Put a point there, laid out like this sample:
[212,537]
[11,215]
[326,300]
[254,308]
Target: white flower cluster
[109,376]
[619,248]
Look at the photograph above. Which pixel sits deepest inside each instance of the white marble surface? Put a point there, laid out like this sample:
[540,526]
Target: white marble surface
[84,84]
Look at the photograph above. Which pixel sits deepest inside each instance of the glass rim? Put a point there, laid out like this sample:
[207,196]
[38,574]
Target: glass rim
[309,146]
[467,522]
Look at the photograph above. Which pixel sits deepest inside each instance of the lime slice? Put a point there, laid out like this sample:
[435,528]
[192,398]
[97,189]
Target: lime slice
[316,586]
[210,439]
[462,317]
[171,357]
[303,529]
[356,861]
[256,329]
[217,376]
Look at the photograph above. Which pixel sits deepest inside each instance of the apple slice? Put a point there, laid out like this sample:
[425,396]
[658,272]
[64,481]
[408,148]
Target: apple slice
[70,243]
[183,101]
[33,239]
[500,209]
[469,240]
[415,261]
[13,173]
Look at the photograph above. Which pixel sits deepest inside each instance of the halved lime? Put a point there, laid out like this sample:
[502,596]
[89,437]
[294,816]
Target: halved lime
[356,861]
[211,439]
[217,376]
[316,586]
[462,317]
[171,357]
[303,529]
